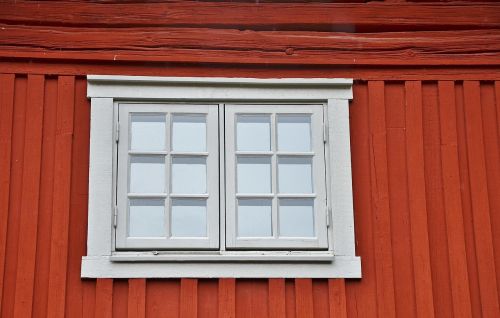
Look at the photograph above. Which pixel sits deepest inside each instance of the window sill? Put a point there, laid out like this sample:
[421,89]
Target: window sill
[111,267]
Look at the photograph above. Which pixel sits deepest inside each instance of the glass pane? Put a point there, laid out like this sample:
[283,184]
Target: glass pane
[146,218]
[254,175]
[189,218]
[253,133]
[295,175]
[147,132]
[296,217]
[147,174]
[189,175]
[254,218]
[294,132]
[189,133]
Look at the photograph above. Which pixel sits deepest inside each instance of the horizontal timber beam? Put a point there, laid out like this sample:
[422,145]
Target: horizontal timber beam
[189,45]
[360,17]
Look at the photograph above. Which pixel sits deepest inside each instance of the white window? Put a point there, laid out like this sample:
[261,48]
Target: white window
[220,177]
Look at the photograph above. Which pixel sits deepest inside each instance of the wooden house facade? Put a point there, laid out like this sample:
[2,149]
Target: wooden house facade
[425,147]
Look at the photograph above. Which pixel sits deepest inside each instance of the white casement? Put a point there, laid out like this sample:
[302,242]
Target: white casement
[167,180]
[220,177]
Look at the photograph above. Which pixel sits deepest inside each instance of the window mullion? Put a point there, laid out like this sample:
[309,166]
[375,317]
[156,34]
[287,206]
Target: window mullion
[274,178]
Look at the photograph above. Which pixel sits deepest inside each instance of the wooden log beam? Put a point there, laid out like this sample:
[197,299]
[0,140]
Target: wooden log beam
[360,17]
[188,45]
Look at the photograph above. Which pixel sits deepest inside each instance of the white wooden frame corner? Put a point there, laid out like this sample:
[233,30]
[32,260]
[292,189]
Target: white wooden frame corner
[103,261]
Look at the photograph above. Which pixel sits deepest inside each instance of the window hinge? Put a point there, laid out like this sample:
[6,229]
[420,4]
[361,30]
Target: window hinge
[115,217]
[325,133]
[117,132]
[328,216]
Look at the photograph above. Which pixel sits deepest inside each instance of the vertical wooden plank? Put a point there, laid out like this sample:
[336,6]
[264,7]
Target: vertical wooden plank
[380,199]
[15,195]
[104,298]
[137,298]
[189,298]
[79,200]
[6,117]
[452,200]
[362,294]
[492,156]
[404,287]
[480,203]
[61,203]
[463,162]
[417,202]
[252,298]
[277,298]
[336,291]
[120,298]
[321,298]
[88,298]
[497,102]
[46,195]
[440,268]
[303,298]
[208,297]
[227,299]
[162,296]
[29,205]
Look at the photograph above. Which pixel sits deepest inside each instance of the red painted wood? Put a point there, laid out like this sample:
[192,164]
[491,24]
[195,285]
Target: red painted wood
[104,298]
[469,47]
[137,298]
[361,296]
[380,200]
[466,203]
[61,201]
[252,298]
[277,306]
[435,203]
[227,302]
[337,294]
[303,298]
[480,203]
[15,196]
[257,15]
[418,219]
[189,298]
[453,205]
[162,296]
[208,296]
[30,202]
[404,287]
[45,208]
[6,116]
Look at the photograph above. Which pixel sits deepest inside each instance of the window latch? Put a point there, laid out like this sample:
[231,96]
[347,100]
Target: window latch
[117,132]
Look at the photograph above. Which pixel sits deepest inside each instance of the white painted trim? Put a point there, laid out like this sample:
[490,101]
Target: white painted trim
[340,177]
[102,261]
[340,267]
[210,89]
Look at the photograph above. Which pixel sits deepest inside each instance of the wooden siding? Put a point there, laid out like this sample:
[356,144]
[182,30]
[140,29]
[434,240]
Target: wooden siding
[426,174]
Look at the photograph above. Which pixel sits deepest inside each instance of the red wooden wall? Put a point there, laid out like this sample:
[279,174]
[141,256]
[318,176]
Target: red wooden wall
[425,138]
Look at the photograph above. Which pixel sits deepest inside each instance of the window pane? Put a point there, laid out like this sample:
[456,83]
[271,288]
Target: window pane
[254,175]
[253,133]
[296,217]
[147,132]
[147,174]
[189,133]
[189,218]
[295,175]
[294,132]
[254,218]
[189,175]
[146,217]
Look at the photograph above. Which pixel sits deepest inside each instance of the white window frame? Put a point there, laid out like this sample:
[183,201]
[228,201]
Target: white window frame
[103,260]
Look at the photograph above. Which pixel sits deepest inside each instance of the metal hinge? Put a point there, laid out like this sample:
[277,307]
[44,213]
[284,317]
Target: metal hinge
[325,132]
[328,216]
[117,132]
[115,217]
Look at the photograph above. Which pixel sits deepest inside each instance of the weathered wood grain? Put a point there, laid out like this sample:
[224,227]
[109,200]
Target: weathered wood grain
[258,15]
[473,47]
